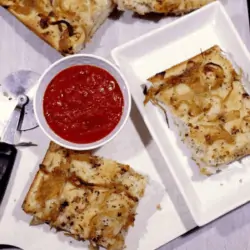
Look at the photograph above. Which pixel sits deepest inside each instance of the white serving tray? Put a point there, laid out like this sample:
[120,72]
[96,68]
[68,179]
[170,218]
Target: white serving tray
[207,198]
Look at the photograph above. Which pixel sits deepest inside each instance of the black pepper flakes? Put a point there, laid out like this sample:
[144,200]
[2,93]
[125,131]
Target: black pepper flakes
[95,162]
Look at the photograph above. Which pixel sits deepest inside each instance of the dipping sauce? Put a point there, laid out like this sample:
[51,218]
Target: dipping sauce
[83,104]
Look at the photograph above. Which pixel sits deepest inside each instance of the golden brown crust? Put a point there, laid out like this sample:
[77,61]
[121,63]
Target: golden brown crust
[178,69]
[26,207]
[67,25]
[52,173]
[89,197]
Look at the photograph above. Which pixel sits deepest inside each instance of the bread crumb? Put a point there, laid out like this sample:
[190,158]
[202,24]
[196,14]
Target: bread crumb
[159,207]
[93,247]
[218,171]
[204,171]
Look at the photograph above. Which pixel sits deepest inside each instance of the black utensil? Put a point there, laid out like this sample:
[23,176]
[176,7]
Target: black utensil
[7,159]
[7,149]
[8,247]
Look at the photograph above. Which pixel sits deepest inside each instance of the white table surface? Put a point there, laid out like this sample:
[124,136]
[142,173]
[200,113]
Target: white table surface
[231,232]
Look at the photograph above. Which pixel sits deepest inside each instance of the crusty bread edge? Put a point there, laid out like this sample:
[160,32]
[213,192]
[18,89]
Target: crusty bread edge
[48,40]
[181,67]
[76,46]
[25,205]
[36,179]
[101,19]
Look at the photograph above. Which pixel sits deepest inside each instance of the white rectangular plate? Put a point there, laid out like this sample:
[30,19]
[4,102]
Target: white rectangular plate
[207,198]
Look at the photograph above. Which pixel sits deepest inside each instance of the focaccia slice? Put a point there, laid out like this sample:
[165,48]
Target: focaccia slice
[175,7]
[101,215]
[65,24]
[88,197]
[211,107]
[42,200]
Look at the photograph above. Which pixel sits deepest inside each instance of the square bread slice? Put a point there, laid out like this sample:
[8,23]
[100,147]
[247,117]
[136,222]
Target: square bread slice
[88,197]
[211,107]
[174,7]
[65,24]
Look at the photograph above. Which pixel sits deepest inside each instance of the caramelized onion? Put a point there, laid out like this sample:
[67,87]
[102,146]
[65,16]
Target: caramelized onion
[213,75]
[64,42]
[194,110]
[69,26]
[209,134]
[192,74]
[246,118]
[23,10]
[228,95]
[230,116]
[96,222]
[220,134]
[190,65]
[39,6]
[51,186]
[176,105]
[185,97]
[61,5]
[198,86]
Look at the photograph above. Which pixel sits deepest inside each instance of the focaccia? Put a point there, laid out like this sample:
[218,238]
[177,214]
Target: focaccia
[88,197]
[175,7]
[65,24]
[205,94]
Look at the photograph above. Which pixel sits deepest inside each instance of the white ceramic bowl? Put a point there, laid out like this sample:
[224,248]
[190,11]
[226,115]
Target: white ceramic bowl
[58,66]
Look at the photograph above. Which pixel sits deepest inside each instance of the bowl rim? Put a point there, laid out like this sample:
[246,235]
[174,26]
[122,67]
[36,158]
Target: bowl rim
[84,146]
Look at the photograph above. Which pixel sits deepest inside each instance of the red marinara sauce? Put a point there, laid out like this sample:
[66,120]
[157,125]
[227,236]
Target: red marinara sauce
[83,104]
